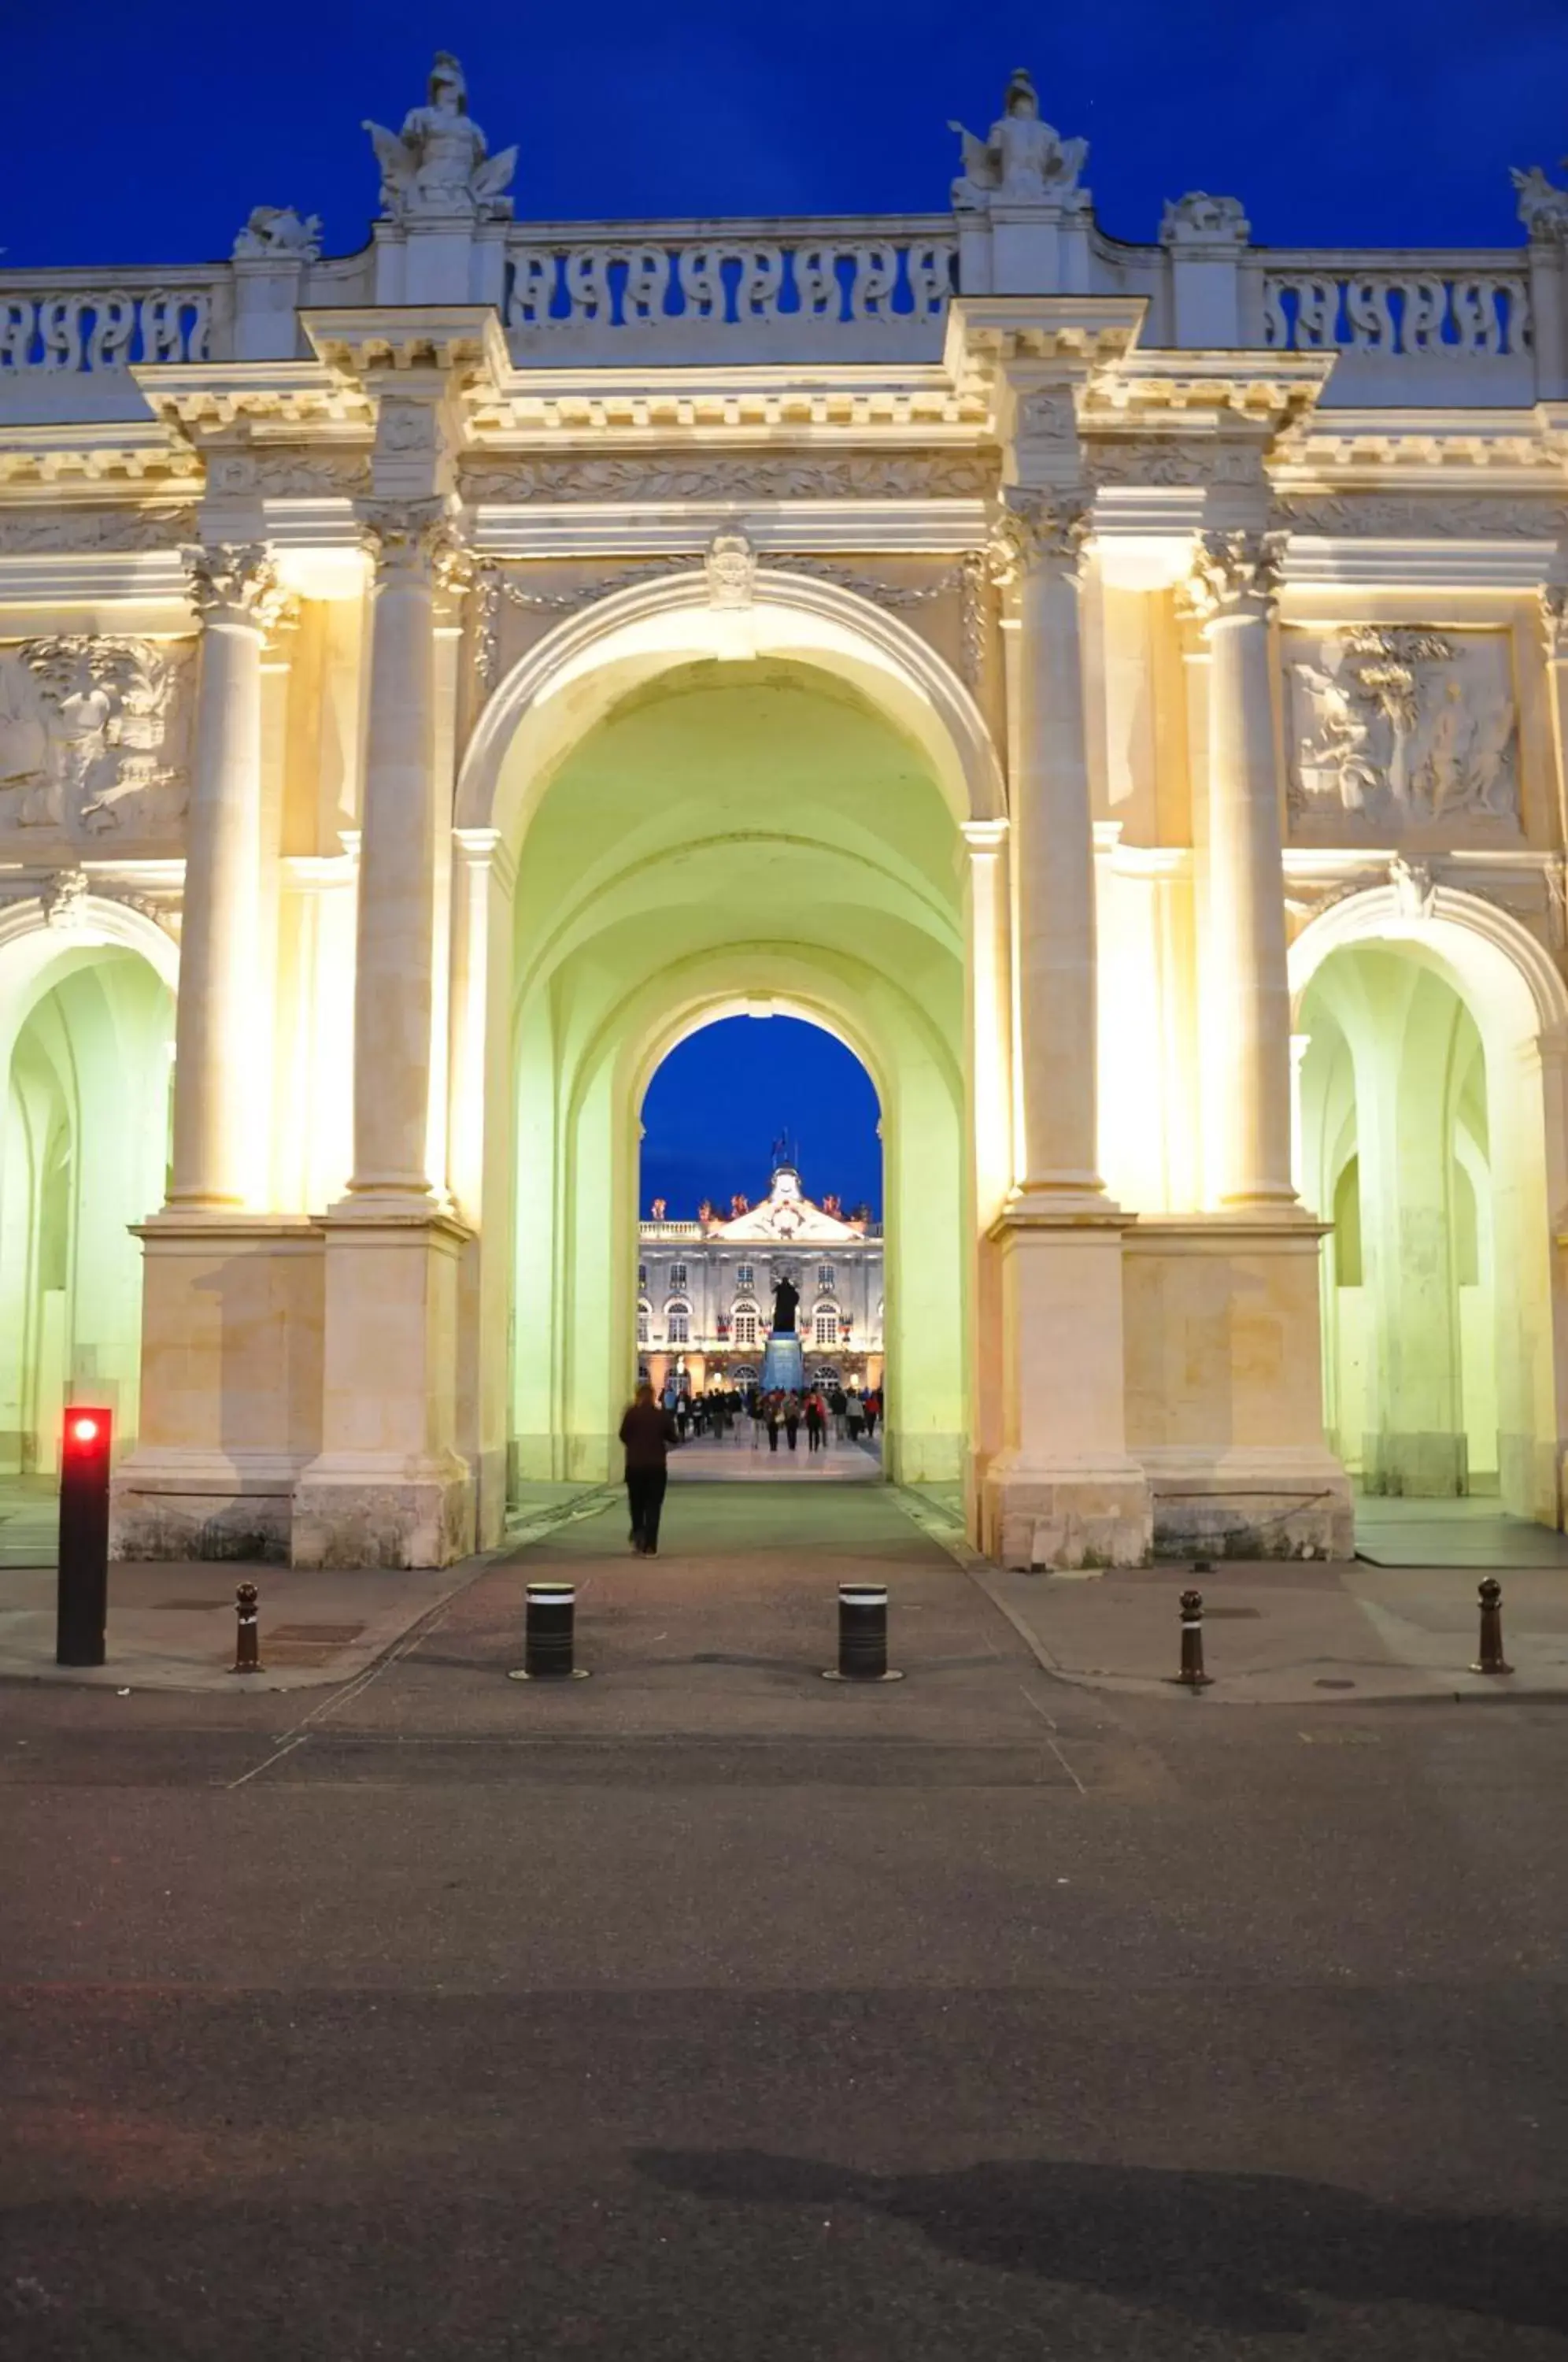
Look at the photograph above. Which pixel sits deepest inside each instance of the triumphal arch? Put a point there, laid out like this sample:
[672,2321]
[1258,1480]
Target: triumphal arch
[1119,689]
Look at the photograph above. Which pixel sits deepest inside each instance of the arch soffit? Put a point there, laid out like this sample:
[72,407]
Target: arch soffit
[556,693]
[1507,981]
[30,947]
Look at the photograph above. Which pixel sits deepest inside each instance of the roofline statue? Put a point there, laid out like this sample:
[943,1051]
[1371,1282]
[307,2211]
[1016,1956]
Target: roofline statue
[439,166]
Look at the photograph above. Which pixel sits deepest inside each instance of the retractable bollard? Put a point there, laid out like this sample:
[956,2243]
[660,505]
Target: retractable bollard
[1192,1675]
[1491,1659]
[549,1635]
[862,1635]
[247,1631]
[81,1587]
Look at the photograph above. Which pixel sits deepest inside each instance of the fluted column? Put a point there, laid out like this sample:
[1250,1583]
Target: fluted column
[1040,538]
[394,989]
[1235,584]
[218,1037]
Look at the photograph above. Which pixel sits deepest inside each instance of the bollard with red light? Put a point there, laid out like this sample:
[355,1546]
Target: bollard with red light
[81,1595]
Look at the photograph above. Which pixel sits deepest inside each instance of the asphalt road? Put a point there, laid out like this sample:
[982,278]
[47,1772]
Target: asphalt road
[705,2010]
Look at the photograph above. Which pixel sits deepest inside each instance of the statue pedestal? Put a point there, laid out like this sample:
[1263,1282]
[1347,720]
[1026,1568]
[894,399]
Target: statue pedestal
[783,1364]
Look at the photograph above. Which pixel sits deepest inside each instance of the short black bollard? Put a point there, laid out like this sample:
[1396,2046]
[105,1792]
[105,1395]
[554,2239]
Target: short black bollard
[1491,1659]
[82,1586]
[549,1626]
[862,1634]
[1192,1675]
[248,1631]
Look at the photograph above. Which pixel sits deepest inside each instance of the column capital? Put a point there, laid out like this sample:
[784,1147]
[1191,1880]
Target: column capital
[415,540]
[1037,529]
[236,582]
[1236,575]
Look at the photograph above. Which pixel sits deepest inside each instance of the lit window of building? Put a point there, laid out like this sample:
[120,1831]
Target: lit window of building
[826,1332]
[744,1276]
[677,1324]
[644,1316]
[745,1329]
[826,1275]
[678,1274]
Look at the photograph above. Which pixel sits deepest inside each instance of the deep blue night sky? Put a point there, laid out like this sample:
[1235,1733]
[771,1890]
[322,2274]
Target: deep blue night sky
[724,1097]
[144,137]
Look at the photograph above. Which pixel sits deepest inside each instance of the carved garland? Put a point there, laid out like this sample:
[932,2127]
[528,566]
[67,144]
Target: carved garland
[968,576]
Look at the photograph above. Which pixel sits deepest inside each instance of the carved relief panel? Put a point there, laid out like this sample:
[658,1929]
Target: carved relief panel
[94,737]
[1391,729]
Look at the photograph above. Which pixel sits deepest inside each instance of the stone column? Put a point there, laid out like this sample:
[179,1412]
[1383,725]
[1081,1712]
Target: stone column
[1062,1490]
[1235,586]
[1041,536]
[216,1036]
[1554,638]
[393,988]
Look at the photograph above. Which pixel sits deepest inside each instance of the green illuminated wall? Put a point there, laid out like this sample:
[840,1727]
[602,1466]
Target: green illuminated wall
[730,833]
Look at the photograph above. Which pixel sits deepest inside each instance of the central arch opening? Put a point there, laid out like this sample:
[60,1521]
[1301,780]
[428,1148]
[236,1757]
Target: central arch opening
[726,835]
[761,1289]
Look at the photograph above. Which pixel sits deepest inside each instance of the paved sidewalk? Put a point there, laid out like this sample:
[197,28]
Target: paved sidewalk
[743,1458]
[1282,1632]
[172,1627]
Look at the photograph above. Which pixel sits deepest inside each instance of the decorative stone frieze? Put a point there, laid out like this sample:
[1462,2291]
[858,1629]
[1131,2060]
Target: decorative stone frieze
[1411,515]
[93,529]
[670,476]
[1165,461]
[1393,727]
[93,735]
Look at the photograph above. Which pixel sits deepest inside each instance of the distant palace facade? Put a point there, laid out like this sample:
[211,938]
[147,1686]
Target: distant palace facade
[705,1290]
[1118,686]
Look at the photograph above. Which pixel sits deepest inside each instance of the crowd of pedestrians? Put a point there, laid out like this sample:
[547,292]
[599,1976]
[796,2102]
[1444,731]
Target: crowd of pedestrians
[844,1413]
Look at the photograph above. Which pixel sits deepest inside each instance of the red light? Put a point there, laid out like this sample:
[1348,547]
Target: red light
[85,1430]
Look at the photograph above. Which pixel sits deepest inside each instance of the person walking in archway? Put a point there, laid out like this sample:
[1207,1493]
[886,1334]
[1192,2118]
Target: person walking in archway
[792,1417]
[650,1433]
[770,1417]
[854,1412]
[815,1422]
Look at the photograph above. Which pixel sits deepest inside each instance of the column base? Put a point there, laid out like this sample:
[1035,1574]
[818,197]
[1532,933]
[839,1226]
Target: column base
[1257,1503]
[172,1504]
[1041,1517]
[231,1347]
[1427,1467]
[1064,1490]
[366,1512]
[388,1487]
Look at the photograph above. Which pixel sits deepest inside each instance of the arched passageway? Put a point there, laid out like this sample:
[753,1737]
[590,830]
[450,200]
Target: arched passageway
[1427,1137]
[725,836]
[85,1035]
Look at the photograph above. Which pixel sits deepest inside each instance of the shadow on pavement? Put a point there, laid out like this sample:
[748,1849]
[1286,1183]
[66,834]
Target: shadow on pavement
[1229,2250]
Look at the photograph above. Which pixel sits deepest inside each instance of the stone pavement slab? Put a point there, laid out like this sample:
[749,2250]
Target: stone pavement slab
[1291,1634]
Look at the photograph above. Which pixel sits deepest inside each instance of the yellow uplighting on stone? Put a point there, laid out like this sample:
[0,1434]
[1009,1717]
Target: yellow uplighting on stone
[1119,691]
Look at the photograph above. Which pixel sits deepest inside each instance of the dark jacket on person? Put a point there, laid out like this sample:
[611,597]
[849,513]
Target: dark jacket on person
[647,1432]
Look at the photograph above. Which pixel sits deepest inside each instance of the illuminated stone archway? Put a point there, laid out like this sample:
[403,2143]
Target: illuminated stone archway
[1431,1134]
[707,807]
[86,1024]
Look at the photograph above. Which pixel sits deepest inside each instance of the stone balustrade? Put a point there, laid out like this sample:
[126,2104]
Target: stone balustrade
[734,274]
[102,323]
[1457,306]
